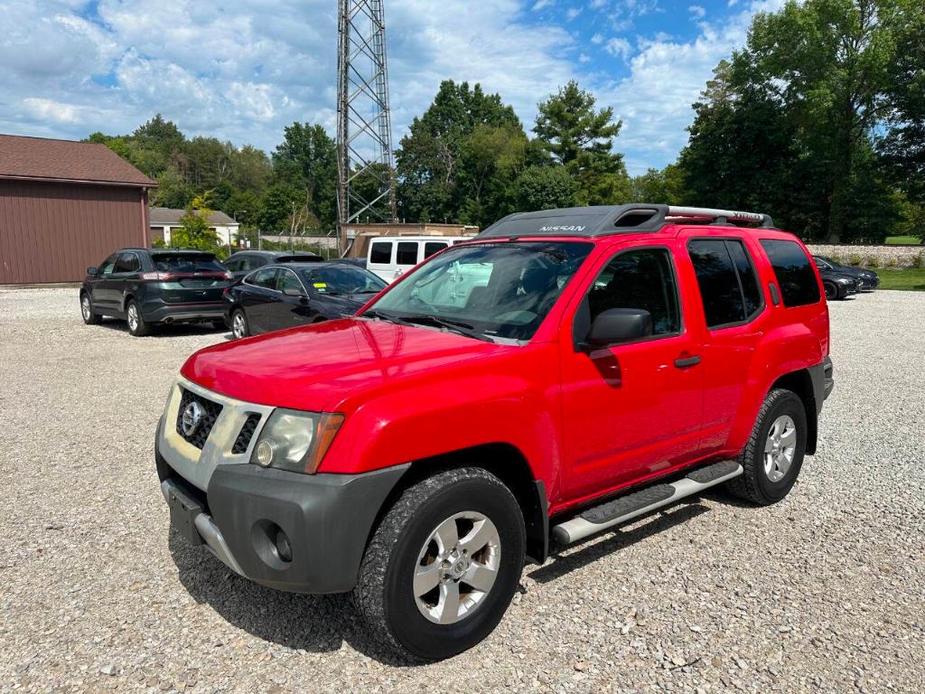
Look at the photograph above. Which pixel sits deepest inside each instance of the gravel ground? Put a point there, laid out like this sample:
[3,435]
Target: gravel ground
[824,591]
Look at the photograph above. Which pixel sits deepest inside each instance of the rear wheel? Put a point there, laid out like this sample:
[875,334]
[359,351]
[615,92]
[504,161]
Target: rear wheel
[441,568]
[239,326]
[86,310]
[774,453]
[136,322]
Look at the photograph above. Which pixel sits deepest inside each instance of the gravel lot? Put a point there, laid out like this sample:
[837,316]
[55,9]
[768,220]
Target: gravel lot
[824,591]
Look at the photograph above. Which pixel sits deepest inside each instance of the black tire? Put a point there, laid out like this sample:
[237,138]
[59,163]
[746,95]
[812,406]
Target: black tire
[137,326]
[754,484]
[238,314]
[831,291]
[384,596]
[89,316]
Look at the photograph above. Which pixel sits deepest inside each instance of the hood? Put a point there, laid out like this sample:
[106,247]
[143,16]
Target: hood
[317,367]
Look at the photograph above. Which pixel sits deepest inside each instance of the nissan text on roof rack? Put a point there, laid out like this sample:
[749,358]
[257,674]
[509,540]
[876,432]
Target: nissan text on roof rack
[564,372]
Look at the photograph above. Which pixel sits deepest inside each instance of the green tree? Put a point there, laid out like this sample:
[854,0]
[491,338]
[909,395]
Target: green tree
[440,167]
[543,188]
[580,138]
[194,231]
[307,159]
[665,186]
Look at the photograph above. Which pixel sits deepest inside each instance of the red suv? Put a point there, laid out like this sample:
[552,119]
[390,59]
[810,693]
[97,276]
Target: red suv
[566,371]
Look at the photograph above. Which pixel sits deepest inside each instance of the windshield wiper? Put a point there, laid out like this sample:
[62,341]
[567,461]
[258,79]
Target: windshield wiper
[456,326]
[459,327]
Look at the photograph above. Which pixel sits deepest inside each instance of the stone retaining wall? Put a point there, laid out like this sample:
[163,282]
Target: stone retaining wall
[873,256]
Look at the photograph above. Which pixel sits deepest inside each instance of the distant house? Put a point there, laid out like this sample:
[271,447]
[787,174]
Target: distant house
[65,206]
[165,219]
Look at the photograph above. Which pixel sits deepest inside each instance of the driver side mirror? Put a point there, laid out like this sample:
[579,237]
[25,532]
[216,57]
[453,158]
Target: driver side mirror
[92,271]
[292,291]
[616,325]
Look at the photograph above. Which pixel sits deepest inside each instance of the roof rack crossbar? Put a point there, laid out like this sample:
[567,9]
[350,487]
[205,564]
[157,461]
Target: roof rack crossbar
[716,214]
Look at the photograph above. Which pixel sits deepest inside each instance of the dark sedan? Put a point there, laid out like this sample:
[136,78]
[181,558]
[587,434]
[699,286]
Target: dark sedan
[147,286]
[838,285]
[244,262]
[276,297]
[869,279]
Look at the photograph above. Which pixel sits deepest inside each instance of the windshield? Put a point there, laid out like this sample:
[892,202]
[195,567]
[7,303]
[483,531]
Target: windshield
[501,290]
[341,279]
[179,263]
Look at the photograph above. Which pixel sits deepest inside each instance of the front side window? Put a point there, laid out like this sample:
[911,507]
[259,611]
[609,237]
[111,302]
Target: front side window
[381,252]
[640,279]
[341,279]
[795,276]
[727,281]
[107,266]
[488,291]
[407,253]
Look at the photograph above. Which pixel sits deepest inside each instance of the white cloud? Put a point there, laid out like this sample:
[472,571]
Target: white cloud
[666,78]
[542,4]
[619,47]
[597,39]
[584,58]
[598,4]
[572,13]
[697,11]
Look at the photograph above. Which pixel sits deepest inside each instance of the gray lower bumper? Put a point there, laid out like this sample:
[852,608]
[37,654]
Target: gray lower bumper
[326,520]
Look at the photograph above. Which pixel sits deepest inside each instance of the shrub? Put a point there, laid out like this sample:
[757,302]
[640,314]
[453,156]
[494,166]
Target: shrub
[917,260]
[873,261]
[855,259]
[891,262]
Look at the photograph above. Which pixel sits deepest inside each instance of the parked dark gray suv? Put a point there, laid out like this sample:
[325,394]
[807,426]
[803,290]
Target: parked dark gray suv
[146,286]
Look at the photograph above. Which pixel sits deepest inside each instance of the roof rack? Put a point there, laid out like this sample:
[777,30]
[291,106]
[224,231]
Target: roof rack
[613,219]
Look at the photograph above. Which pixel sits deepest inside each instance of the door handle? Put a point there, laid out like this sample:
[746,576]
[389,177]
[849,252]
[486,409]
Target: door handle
[684,362]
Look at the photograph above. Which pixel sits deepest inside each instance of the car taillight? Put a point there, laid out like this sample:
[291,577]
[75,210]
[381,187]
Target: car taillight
[228,276]
[157,276]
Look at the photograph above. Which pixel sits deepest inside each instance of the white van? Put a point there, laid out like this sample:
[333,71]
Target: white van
[390,256]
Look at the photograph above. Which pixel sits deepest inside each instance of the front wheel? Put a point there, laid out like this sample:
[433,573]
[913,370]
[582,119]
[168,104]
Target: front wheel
[442,567]
[86,310]
[831,291]
[774,453]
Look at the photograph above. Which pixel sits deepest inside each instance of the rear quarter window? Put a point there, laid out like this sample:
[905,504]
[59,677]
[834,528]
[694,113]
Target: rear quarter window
[407,253]
[794,273]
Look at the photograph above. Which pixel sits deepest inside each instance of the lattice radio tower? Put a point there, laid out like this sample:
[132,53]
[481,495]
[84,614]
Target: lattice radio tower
[366,177]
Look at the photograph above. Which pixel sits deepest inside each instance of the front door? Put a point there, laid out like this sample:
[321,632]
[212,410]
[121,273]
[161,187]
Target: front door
[257,301]
[631,410]
[104,291]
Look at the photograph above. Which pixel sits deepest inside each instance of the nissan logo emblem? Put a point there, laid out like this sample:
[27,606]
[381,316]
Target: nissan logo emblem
[191,418]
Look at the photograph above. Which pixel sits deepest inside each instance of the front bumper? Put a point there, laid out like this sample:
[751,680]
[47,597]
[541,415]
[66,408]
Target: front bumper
[326,520]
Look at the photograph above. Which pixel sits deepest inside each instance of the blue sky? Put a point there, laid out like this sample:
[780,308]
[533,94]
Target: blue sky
[243,69]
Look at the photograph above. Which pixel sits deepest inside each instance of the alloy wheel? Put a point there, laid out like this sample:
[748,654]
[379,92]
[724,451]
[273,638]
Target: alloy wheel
[238,326]
[133,317]
[85,307]
[779,448]
[457,567]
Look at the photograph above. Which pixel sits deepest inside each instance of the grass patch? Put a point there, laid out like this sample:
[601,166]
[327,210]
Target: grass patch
[906,278]
[902,241]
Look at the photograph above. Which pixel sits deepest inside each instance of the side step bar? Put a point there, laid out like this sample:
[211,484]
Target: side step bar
[625,508]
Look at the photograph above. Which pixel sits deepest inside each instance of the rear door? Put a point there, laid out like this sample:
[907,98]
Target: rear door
[258,293]
[407,255]
[732,315]
[381,259]
[631,410]
[190,278]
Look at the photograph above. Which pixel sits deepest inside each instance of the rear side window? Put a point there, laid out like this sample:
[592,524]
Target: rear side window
[264,278]
[287,280]
[407,253]
[381,253]
[726,277]
[128,262]
[795,276]
[432,247]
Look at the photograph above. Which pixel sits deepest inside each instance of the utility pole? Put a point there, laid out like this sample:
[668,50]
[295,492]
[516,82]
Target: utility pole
[364,129]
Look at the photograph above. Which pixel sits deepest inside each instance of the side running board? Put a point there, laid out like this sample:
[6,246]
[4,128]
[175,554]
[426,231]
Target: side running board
[624,508]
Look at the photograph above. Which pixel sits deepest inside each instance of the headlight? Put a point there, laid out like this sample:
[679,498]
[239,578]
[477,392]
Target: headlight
[296,441]
[844,280]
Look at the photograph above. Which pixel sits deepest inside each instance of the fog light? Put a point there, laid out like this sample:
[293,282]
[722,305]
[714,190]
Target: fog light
[283,548]
[265,451]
